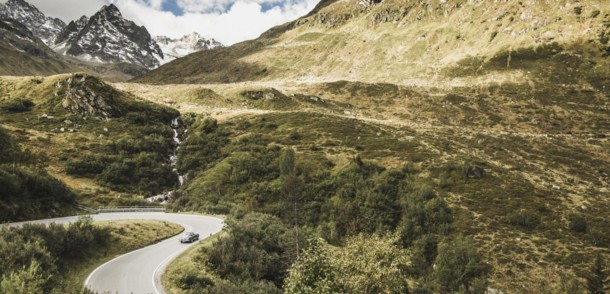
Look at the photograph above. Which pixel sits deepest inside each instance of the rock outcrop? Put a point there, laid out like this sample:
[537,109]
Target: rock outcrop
[90,97]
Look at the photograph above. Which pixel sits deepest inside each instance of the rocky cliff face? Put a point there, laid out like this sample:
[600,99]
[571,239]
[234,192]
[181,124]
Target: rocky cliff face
[71,30]
[176,48]
[89,97]
[107,37]
[43,27]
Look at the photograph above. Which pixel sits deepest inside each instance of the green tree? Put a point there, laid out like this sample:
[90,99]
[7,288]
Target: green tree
[597,277]
[459,267]
[255,248]
[291,186]
[30,279]
[313,273]
[366,264]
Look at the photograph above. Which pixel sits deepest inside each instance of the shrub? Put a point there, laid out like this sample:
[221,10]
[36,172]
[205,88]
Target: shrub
[192,279]
[29,279]
[379,267]
[256,248]
[526,219]
[578,222]
[86,165]
[423,254]
[17,105]
[31,193]
[459,267]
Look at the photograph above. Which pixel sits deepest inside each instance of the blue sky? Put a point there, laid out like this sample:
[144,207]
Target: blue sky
[228,21]
[172,6]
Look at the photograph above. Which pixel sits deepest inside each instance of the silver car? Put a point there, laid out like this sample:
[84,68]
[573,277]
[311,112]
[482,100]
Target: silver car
[189,237]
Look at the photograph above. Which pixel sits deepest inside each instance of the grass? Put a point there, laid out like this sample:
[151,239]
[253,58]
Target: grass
[73,141]
[185,263]
[401,42]
[126,236]
[422,88]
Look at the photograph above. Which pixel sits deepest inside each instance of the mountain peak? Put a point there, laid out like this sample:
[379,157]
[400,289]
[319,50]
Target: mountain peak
[185,45]
[43,27]
[107,37]
[19,2]
[111,8]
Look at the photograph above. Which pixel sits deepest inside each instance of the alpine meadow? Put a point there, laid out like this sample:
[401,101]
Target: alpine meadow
[368,146]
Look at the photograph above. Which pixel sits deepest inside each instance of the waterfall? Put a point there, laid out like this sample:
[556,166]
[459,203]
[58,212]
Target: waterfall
[173,160]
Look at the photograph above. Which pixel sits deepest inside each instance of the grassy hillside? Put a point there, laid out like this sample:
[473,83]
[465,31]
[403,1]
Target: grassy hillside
[24,54]
[107,145]
[509,133]
[28,192]
[407,42]
[452,146]
[520,197]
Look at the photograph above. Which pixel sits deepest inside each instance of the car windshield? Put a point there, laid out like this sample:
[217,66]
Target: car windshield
[188,234]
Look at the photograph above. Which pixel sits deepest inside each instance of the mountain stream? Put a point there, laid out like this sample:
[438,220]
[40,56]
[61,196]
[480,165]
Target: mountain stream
[173,160]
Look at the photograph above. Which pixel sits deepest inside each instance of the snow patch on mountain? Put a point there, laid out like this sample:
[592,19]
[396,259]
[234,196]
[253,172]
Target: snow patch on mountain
[109,38]
[176,48]
[43,27]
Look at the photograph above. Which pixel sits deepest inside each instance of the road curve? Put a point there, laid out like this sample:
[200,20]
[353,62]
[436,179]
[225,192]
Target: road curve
[139,271]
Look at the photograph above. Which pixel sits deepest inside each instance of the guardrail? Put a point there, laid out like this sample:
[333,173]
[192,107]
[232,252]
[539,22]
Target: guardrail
[131,209]
[85,208]
[121,209]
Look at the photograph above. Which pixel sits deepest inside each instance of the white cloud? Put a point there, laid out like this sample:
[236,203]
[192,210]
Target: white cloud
[244,20]
[228,21]
[199,6]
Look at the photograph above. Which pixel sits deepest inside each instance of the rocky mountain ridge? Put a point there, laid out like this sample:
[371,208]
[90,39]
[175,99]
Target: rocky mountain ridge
[107,37]
[43,27]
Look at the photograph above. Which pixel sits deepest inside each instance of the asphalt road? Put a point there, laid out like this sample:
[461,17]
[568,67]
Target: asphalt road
[139,271]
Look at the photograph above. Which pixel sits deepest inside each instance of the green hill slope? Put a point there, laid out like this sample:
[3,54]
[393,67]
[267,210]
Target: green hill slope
[411,42]
[107,145]
[24,54]
[429,120]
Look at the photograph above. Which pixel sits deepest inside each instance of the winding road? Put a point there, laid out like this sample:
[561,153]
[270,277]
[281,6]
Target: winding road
[139,271]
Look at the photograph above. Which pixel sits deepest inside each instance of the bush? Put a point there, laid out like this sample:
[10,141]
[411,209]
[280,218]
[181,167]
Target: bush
[423,254]
[367,264]
[35,258]
[578,222]
[17,105]
[87,165]
[527,220]
[29,279]
[192,280]
[257,247]
[31,193]
[459,267]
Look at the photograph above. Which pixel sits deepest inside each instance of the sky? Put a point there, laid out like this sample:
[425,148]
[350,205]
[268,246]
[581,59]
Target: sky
[227,21]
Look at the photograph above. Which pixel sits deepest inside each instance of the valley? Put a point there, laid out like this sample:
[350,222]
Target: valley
[391,146]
